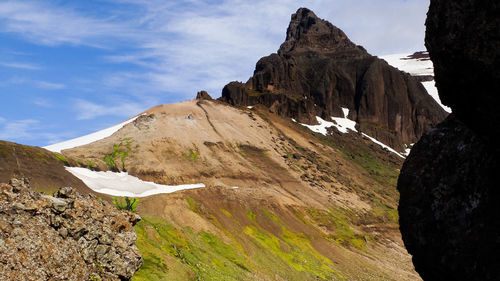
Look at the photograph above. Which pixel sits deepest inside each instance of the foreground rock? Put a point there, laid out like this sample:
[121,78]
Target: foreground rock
[449,190]
[318,70]
[64,237]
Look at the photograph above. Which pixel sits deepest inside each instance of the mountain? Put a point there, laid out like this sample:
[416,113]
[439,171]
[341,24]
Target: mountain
[291,176]
[280,201]
[318,70]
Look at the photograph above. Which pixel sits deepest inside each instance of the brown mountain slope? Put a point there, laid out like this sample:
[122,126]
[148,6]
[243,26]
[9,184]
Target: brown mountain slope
[306,206]
[44,169]
[318,70]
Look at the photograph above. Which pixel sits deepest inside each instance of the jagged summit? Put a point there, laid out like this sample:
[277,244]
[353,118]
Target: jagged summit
[307,32]
[318,71]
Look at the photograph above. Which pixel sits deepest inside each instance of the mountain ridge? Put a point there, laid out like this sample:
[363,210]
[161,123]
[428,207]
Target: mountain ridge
[318,70]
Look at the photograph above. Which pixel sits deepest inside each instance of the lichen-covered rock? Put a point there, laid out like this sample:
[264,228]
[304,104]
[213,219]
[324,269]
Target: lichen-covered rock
[67,236]
[318,70]
[449,190]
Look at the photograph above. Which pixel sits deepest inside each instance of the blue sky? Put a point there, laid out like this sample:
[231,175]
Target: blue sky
[69,68]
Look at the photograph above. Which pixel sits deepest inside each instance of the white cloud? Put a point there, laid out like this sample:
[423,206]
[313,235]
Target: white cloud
[49,85]
[42,102]
[20,65]
[17,129]
[50,25]
[184,46]
[87,110]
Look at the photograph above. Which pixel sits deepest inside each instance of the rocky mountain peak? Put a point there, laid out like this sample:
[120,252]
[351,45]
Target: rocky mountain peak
[307,32]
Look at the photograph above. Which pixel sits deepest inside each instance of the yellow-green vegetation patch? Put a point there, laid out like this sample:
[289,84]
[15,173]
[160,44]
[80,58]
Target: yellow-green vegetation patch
[270,215]
[193,206]
[290,255]
[193,154]
[338,222]
[251,215]
[62,159]
[384,212]
[226,212]
[191,256]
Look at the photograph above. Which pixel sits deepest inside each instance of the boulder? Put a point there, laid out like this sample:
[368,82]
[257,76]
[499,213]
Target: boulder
[449,192]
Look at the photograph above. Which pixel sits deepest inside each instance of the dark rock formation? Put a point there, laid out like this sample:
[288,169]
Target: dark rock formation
[448,212]
[203,95]
[449,191]
[318,70]
[463,38]
[65,237]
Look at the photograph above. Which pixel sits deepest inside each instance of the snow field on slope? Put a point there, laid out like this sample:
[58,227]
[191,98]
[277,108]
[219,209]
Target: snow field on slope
[123,184]
[430,86]
[99,135]
[344,125]
[417,67]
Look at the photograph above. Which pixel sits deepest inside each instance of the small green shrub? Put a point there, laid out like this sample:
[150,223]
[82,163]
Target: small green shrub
[62,159]
[118,151]
[128,205]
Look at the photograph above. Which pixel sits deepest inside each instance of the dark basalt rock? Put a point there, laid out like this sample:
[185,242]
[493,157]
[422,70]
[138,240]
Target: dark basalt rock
[463,38]
[448,211]
[203,95]
[318,70]
[449,191]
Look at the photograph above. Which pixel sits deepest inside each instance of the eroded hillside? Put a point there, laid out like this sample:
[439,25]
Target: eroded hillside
[281,202]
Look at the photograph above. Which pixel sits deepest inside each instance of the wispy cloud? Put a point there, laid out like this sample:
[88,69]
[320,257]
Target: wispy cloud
[17,129]
[88,110]
[42,102]
[184,46]
[47,24]
[27,130]
[46,85]
[49,85]
[20,65]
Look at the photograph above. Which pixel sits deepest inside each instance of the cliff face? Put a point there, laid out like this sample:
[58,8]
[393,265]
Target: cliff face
[449,191]
[318,70]
[65,237]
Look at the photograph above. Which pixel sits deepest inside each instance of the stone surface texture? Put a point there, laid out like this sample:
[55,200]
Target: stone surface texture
[449,191]
[67,236]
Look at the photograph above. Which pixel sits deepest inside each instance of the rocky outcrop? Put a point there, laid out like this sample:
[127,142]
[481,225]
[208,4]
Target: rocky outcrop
[67,236]
[463,39]
[203,95]
[318,70]
[449,191]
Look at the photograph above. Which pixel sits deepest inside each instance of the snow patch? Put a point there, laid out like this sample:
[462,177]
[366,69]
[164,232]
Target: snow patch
[344,125]
[430,86]
[123,184]
[345,111]
[383,145]
[99,135]
[416,67]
